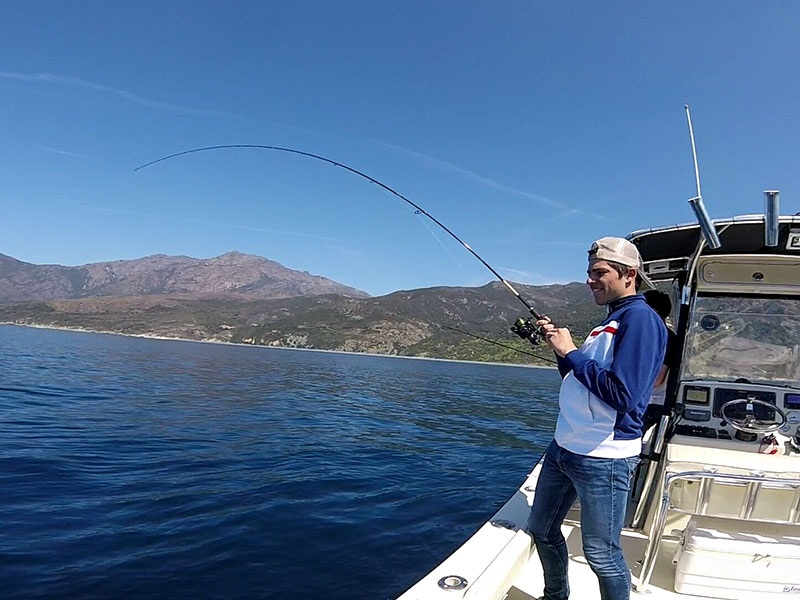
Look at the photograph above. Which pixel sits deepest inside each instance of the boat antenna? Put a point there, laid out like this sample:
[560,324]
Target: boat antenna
[694,150]
[417,207]
[699,208]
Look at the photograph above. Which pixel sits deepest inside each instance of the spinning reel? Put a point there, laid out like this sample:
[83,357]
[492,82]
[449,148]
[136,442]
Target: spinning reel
[527,329]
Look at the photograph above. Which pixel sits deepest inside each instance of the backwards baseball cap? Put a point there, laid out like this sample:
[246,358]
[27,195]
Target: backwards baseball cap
[618,250]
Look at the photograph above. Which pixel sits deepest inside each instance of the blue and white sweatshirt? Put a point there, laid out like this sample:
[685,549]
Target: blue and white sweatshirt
[608,380]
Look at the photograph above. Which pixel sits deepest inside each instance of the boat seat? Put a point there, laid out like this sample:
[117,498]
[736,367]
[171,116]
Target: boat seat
[727,488]
[737,559]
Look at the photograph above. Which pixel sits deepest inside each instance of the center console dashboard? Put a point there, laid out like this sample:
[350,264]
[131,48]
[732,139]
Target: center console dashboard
[702,412]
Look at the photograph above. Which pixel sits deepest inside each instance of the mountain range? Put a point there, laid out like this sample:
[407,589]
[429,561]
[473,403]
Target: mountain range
[231,273]
[248,299]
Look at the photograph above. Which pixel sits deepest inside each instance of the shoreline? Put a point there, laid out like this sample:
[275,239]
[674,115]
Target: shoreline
[238,344]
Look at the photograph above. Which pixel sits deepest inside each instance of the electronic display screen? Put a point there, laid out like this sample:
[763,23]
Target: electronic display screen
[791,401]
[695,395]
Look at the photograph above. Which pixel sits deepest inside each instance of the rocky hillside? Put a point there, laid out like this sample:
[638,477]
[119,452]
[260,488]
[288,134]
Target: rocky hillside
[232,273]
[432,322]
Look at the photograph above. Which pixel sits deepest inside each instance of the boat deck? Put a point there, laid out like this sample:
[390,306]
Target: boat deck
[499,562]
[516,562]
[583,583]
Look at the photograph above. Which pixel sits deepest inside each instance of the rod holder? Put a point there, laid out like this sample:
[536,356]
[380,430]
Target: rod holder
[771,215]
[706,225]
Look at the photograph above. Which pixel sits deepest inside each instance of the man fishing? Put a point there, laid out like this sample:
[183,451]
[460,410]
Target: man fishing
[605,389]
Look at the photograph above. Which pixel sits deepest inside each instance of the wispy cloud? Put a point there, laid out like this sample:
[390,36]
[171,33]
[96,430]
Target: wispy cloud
[515,274]
[520,276]
[61,80]
[345,250]
[444,165]
[526,243]
[132,213]
[46,149]
[558,243]
[527,277]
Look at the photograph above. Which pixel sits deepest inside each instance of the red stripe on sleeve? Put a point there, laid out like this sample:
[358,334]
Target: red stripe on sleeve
[607,329]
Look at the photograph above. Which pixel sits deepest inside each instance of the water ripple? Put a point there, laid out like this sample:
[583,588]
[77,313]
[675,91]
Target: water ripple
[152,469]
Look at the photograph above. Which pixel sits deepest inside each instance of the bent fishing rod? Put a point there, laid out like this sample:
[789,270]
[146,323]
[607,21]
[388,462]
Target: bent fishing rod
[522,327]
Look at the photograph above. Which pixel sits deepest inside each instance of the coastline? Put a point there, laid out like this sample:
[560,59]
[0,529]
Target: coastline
[237,344]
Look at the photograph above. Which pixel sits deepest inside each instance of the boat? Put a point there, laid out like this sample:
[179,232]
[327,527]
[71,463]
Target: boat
[715,504]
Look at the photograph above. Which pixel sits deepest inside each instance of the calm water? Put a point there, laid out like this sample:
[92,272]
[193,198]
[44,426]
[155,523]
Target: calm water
[134,468]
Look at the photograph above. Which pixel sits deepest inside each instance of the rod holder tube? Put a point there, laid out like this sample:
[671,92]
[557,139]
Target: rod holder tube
[706,225]
[771,215]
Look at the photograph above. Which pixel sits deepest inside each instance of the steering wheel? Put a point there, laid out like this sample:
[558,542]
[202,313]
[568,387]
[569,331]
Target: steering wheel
[749,423]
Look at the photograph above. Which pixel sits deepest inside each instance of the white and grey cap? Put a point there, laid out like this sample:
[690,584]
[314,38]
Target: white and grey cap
[618,250]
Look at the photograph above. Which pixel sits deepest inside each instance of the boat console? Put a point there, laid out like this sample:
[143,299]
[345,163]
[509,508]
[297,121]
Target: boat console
[739,380]
[725,460]
[712,410]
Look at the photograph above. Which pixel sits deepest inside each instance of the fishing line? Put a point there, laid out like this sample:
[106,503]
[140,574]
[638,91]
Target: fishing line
[368,178]
[520,350]
[442,244]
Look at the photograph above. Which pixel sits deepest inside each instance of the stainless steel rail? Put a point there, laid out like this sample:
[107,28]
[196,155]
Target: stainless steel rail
[650,473]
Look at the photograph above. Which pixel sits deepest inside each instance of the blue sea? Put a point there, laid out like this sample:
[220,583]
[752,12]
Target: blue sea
[138,468]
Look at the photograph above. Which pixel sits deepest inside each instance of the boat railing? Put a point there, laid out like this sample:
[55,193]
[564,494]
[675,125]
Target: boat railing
[753,484]
[656,448]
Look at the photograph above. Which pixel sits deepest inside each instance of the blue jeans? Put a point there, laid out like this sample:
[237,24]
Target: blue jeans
[602,484]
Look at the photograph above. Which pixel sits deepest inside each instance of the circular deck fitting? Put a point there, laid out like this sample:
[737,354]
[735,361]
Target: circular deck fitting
[452,582]
[529,488]
[709,322]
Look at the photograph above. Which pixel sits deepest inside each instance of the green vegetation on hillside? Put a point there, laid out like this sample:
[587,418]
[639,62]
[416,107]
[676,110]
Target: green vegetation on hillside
[412,323]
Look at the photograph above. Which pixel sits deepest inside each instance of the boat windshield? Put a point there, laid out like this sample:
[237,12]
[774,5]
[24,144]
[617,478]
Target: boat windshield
[750,337]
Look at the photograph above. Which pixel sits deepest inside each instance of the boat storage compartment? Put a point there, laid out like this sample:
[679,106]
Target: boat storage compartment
[732,558]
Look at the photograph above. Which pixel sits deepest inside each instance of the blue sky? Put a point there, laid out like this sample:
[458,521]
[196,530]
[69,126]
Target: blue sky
[528,128]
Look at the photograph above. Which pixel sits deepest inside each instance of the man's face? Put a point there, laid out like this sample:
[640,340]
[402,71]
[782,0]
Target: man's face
[607,285]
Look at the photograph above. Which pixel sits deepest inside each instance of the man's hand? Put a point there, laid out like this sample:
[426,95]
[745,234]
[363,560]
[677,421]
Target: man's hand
[558,338]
